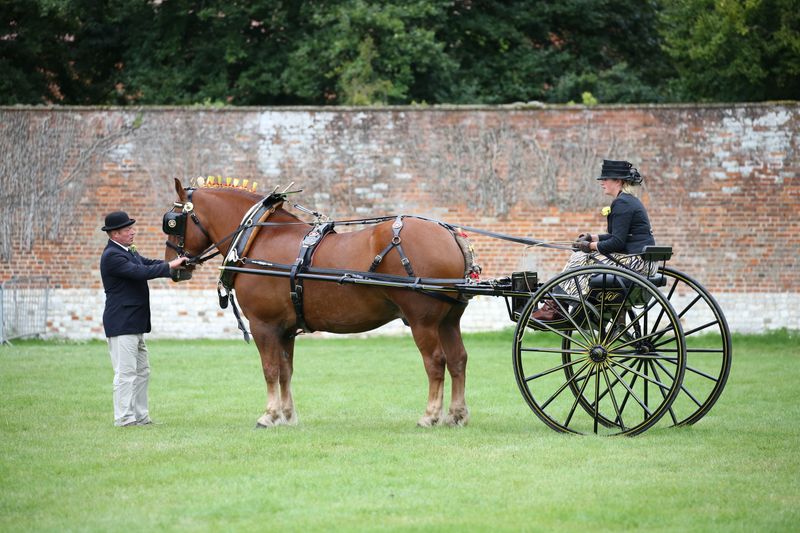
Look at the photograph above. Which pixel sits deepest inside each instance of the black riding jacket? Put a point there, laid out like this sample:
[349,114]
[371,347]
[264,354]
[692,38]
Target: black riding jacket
[628,227]
[125,276]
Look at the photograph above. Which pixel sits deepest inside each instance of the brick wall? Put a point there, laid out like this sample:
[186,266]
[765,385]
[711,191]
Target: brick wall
[722,186]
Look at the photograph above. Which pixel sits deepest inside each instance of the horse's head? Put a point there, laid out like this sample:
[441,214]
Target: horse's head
[185,233]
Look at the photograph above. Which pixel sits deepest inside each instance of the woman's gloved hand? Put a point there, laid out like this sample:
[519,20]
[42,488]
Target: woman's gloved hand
[582,246]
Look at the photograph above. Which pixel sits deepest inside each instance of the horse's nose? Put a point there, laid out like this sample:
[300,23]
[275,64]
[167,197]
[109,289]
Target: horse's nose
[180,274]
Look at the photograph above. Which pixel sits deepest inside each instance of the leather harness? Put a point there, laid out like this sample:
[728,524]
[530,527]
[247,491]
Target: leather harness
[397,227]
[257,217]
[303,261]
[242,238]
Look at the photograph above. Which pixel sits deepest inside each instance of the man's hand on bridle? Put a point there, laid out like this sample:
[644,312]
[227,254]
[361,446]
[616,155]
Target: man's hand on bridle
[178,261]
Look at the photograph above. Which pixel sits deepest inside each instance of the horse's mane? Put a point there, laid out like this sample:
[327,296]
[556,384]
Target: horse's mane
[227,184]
[241,188]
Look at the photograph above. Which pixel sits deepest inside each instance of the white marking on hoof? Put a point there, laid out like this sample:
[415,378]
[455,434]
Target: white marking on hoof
[428,421]
[269,420]
[459,418]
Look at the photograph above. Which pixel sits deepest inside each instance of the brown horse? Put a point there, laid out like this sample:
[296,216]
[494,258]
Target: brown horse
[216,212]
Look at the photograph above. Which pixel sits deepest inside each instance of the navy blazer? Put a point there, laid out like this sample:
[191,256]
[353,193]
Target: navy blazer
[125,276]
[628,227]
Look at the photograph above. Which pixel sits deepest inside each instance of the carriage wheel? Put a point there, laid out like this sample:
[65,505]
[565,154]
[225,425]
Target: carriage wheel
[708,350]
[599,370]
[708,347]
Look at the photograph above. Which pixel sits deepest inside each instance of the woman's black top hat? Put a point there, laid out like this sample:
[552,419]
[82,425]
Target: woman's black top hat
[619,170]
[117,220]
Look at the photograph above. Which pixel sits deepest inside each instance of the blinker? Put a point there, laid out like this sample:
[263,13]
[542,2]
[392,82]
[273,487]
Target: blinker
[174,223]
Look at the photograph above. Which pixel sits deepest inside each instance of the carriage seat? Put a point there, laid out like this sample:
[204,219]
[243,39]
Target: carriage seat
[651,254]
[655,253]
[617,282]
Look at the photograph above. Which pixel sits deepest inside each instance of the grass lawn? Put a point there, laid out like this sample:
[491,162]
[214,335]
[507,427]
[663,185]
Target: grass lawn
[357,461]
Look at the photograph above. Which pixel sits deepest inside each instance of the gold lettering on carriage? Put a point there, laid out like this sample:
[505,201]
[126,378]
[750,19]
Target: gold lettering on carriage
[609,296]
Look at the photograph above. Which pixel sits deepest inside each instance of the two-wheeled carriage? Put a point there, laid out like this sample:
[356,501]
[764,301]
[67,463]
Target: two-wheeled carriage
[626,352]
[629,351]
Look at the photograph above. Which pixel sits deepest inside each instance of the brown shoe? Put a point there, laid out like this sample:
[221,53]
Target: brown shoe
[548,312]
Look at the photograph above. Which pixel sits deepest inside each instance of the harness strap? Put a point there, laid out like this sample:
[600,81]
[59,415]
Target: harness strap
[239,320]
[189,193]
[444,298]
[397,227]
[301,264]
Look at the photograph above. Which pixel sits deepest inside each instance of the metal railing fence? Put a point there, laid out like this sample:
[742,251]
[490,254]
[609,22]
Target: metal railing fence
[24,304]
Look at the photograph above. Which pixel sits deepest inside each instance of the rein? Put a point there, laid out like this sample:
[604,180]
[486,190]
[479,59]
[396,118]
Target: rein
[376,220]
[187,210]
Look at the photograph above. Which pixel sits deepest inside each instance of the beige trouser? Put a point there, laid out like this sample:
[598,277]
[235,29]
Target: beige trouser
[129,358]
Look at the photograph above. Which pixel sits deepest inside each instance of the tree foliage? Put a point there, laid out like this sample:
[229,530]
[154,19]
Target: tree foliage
[361,52]
[33,52]
[734,50]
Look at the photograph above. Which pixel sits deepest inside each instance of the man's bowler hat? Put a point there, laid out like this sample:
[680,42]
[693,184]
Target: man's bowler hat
[117,220]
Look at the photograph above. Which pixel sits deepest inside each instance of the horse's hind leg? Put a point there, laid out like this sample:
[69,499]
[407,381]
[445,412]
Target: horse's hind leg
[456,357]
[276,350]
[427,340]
[287,368]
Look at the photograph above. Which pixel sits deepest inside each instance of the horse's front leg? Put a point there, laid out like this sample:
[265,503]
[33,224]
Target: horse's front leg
[275,349]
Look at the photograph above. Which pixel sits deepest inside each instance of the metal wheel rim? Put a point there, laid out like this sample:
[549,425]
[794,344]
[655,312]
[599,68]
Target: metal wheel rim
[699,401]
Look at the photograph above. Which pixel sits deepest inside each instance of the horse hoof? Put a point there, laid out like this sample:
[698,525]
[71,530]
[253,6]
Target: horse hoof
[458,419]
[267,421]
[427,422]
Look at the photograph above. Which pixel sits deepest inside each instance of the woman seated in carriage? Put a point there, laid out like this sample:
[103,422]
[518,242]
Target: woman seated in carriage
[628,230]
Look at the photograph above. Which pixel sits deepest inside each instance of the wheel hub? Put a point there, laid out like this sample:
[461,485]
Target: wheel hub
[644,347]
[598,354]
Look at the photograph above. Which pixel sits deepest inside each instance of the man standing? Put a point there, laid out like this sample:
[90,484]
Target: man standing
[127,316]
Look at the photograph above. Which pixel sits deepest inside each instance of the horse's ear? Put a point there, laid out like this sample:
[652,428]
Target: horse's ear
[180,190]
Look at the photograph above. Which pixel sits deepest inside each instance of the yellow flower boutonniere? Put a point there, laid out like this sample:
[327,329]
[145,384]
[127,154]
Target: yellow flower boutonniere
[605,211]
[132,248]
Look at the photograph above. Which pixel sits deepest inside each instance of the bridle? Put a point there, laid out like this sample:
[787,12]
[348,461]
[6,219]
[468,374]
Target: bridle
[174,224]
